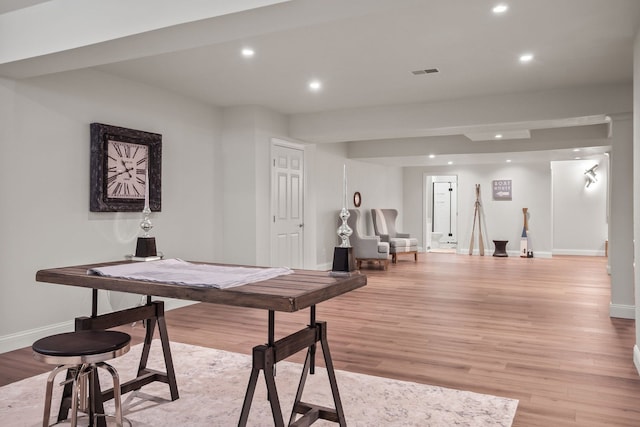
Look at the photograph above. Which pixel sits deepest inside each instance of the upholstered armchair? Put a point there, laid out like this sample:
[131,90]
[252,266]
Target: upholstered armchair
[366,248]
[384,225]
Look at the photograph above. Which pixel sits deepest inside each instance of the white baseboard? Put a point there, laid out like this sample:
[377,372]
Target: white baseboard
[24,339]
[324,267]
[579,252]
[622,311]
[636,357]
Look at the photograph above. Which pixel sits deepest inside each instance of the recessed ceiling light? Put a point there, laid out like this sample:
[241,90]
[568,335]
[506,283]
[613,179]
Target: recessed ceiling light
[508,160]
[247,52]
[577,158]
[498,136]
[315,85]
[432,156]
[500,8]
[576,150]
[526,57]
[449,162]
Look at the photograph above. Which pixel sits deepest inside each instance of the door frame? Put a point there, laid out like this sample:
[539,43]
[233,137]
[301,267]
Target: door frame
[427,192]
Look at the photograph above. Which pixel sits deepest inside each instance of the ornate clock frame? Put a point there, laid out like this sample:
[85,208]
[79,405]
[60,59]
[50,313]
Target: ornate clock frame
[99,201]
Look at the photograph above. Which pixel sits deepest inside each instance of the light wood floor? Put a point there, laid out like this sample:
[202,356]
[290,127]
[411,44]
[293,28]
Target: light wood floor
[536,330]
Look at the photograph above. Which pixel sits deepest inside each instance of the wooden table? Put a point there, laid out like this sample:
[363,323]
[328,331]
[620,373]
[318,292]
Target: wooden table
[297,291]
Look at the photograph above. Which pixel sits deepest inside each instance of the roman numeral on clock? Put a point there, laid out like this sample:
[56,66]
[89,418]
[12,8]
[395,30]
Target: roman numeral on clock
[118,188]
[118,149]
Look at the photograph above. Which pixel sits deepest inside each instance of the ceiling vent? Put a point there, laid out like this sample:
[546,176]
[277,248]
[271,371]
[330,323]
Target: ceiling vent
[427,71]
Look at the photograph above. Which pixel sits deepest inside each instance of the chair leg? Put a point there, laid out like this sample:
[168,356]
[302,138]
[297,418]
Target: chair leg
[84,370]
[84,396]
[117,398]
[49,392]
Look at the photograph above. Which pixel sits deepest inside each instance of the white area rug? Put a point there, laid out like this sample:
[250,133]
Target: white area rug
[212,384]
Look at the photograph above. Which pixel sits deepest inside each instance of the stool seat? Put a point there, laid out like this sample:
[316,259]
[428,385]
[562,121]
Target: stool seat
[80,353]
[81,347]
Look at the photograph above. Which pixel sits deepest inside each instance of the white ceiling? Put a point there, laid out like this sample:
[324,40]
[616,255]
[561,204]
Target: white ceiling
[10,5]
[364,52]
[367,59]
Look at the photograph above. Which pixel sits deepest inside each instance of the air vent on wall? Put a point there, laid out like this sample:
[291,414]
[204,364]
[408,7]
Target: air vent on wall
[427,71]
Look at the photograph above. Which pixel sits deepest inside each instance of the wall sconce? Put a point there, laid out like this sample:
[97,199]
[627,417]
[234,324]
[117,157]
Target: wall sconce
[591,175]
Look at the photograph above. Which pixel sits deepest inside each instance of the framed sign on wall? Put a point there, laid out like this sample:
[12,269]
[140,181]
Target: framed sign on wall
[123,163]
[501,189]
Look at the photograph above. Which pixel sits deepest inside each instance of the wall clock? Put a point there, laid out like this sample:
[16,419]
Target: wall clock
[121,160]
[357,199]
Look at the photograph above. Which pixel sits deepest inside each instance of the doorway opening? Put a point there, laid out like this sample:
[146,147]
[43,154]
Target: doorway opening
[441,213]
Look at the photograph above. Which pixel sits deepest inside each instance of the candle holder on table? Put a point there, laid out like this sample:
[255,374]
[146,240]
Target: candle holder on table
[146,245]
[343,261]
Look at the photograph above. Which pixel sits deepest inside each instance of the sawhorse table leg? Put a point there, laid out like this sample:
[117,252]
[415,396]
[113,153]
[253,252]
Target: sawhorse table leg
[266,356]
[152,314]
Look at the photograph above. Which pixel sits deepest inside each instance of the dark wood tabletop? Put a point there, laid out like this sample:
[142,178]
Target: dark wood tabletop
[288,293]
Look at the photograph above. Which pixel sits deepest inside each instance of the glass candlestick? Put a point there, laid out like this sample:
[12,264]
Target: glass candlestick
[146,211]
[344,231]
[146,224]
[146,245]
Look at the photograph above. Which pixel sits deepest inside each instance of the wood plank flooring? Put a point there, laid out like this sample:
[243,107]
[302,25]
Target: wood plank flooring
[537,330]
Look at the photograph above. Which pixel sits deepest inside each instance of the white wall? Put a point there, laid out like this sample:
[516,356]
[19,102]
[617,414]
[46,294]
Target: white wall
[564,217]
[621,218]
[636,192]
[531,184]
[268,124]
[579,213]
[239,200]
[246,147]
[44,183]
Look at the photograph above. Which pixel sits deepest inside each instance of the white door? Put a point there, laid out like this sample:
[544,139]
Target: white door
[287,190]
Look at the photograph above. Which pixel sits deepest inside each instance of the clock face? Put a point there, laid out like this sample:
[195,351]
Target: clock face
[126,170]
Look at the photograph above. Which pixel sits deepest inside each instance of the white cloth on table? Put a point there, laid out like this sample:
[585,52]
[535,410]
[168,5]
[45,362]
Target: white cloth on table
[179,272]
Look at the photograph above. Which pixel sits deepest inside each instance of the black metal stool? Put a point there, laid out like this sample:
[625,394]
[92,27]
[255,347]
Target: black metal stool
[81,353]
